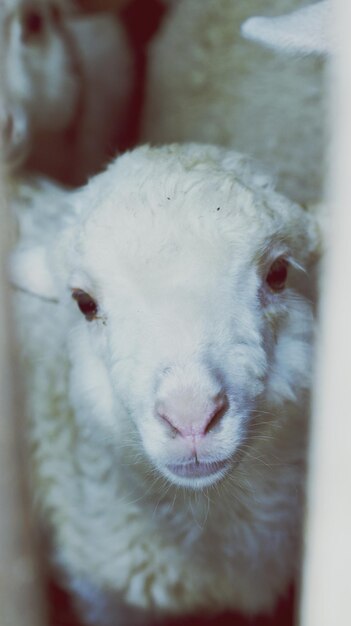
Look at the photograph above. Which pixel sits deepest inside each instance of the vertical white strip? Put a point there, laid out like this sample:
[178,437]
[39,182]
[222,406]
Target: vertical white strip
[20,588]
[326,591]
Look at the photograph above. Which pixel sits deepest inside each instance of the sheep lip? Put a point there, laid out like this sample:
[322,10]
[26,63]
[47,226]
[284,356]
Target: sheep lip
[197,469]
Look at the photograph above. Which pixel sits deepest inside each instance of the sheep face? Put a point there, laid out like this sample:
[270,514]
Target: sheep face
[40,72]
[187,318]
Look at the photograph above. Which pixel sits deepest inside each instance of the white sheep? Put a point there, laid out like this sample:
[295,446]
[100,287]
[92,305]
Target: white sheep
[207,83]
[66,84]
[166,321]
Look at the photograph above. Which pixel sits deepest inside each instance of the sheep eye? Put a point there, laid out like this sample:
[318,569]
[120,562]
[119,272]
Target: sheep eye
[32,23]
[86,304]
[278,274]
[55,14]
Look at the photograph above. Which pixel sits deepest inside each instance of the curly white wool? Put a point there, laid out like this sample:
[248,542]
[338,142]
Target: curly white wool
[207,83]
[174,245]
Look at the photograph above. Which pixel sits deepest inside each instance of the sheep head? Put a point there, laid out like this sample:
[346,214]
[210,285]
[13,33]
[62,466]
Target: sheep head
[182,278]
[39,73]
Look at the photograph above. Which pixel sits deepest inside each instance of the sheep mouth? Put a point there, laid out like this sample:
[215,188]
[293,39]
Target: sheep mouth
[198,469]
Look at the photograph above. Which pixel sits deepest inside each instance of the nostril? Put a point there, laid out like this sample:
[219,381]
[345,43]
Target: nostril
[221,403]
[161,412]
[190,418]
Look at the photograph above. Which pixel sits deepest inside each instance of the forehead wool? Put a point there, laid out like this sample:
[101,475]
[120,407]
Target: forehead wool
[180,202]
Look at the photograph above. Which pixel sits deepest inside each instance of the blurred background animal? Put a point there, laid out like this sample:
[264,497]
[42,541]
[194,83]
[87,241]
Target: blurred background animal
[67,82]
[207,83]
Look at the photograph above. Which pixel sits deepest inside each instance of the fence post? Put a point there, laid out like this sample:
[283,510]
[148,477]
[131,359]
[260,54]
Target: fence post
[326,590]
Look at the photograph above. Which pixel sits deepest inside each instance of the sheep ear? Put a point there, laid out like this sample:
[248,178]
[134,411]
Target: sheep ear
[320,226]
[302,32]
[29,271]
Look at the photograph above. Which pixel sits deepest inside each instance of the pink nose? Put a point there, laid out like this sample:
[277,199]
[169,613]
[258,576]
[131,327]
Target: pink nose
[191,414]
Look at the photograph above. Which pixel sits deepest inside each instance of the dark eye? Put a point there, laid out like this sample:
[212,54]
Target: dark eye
[278,274]
[86,304]
[55,14]
[32,24]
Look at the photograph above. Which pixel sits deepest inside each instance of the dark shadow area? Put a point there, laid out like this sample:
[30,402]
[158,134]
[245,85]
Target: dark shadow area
[62,614]
[141,20]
